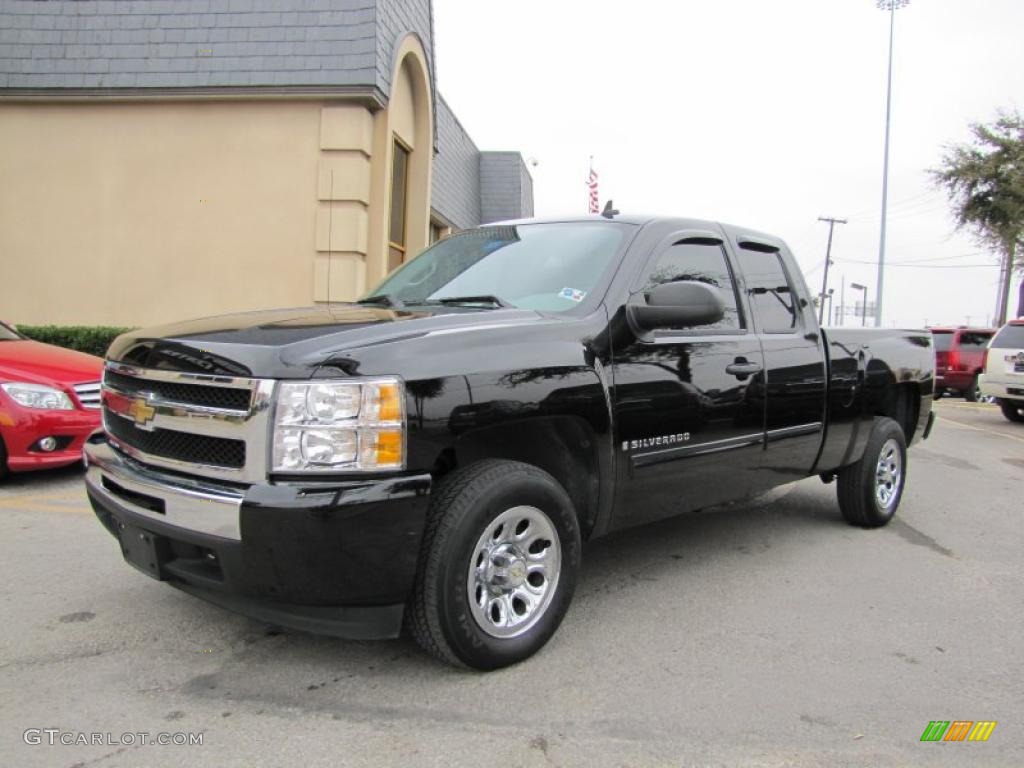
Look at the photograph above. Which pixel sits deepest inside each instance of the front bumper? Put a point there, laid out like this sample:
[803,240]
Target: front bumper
[331,557]
[21,428]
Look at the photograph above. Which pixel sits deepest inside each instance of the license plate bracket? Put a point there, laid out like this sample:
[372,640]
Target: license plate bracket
[142,550]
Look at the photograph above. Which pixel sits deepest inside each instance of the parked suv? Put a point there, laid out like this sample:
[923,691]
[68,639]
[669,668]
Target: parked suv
[1003,376]
[959,359]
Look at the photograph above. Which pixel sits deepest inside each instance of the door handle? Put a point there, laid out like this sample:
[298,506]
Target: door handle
[741,369]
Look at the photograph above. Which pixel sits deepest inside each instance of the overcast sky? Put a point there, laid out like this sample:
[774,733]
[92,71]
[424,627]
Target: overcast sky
[755,112]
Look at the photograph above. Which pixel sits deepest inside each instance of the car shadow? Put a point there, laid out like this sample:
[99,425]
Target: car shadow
[39,479]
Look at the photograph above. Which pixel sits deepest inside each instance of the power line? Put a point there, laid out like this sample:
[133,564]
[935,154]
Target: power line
[922,266]
[898,204]
[939,258]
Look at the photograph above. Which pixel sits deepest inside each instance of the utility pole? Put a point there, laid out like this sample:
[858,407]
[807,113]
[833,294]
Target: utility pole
[828,262]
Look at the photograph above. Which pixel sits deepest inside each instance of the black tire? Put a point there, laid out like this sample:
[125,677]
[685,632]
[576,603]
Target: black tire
[439,614]
[971,393]
[3,460]
[1013,410]
[858,486]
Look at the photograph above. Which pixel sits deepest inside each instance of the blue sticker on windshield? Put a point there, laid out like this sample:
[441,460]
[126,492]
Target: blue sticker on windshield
[572,294]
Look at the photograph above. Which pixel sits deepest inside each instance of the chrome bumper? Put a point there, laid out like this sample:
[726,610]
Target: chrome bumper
[203,507]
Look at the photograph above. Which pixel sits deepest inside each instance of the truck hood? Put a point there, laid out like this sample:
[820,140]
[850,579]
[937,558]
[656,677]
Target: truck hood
[37,363]
[292,343]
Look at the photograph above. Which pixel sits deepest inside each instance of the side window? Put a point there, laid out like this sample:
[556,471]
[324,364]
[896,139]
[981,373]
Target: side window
[705,262]
[974,339]
[772,298]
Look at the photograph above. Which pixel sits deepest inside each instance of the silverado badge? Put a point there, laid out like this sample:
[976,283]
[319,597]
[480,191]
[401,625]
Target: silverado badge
[662,441]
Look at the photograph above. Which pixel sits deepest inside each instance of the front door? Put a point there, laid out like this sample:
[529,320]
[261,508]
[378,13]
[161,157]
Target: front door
[688,402]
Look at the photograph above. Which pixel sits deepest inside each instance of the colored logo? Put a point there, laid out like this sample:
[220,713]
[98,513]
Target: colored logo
[958,730]
[141,412]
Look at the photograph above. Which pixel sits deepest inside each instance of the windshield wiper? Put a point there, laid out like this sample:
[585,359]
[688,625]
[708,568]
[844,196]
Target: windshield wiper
[382,299]
[494,301]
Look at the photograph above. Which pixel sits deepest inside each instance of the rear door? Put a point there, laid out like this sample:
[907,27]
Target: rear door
[794,360]
[971,345]
[688,403]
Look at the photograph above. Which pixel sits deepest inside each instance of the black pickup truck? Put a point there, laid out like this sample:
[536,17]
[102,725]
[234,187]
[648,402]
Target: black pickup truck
[433,455]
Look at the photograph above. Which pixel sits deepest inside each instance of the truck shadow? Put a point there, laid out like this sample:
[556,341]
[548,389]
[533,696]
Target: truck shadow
[615,568]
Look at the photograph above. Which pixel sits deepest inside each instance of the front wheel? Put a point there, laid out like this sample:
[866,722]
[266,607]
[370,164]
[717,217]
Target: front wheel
[498,568]
[1012,409]
[870,490]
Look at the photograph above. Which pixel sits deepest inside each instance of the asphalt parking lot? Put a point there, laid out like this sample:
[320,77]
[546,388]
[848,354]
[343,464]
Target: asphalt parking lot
[763,633]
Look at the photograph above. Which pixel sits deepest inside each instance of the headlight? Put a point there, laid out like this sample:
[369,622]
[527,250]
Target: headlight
[38,396]
[332,426]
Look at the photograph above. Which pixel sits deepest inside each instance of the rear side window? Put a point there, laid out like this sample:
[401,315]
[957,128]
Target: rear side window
[942,340]
[1009,337]
[772,297]
[703,261]
[974,339]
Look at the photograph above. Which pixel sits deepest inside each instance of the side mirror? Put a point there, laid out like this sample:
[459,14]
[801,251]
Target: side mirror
[679,304]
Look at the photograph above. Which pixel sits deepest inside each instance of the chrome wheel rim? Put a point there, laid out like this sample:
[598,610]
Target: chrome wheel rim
[513,572]
[888,474]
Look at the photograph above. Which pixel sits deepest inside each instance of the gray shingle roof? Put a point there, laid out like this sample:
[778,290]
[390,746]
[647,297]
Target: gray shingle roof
[98,44]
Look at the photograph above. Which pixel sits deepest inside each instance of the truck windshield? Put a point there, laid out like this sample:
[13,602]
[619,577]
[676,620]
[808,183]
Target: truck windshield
[545,267]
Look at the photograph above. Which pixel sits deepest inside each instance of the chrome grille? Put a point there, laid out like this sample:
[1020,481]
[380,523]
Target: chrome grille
[180,446]
[215,426]
[231,398]
[88,394]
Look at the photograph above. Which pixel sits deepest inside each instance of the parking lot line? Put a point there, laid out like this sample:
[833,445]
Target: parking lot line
[35,507]
[979,429]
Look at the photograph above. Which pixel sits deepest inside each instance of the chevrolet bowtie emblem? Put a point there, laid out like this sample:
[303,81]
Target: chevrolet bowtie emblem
[141,412]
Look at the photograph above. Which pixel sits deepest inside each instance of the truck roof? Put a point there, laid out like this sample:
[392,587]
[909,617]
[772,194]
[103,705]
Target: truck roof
[669,222]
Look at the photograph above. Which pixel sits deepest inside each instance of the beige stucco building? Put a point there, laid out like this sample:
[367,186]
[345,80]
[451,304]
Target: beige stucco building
[161,160]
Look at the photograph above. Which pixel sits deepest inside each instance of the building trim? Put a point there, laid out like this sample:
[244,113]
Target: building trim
[369,96]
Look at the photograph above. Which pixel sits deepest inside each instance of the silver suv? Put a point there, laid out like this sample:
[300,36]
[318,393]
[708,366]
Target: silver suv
[1003,378]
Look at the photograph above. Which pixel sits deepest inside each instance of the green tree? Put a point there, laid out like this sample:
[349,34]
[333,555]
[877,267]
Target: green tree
[984,180]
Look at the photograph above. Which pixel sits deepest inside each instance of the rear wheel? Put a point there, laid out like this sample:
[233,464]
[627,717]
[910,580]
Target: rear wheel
[973,393]
[498,567]
[3,460]
[870,490]
[1012,409]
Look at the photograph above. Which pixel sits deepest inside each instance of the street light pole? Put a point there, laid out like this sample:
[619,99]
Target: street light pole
[863,302]
[890,6]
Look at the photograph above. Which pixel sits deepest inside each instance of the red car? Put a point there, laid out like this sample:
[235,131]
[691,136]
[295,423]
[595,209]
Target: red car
[49,403]
[959,359]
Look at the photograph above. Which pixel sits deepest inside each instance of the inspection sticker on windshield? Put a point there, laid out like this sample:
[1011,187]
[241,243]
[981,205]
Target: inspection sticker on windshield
[573,294]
